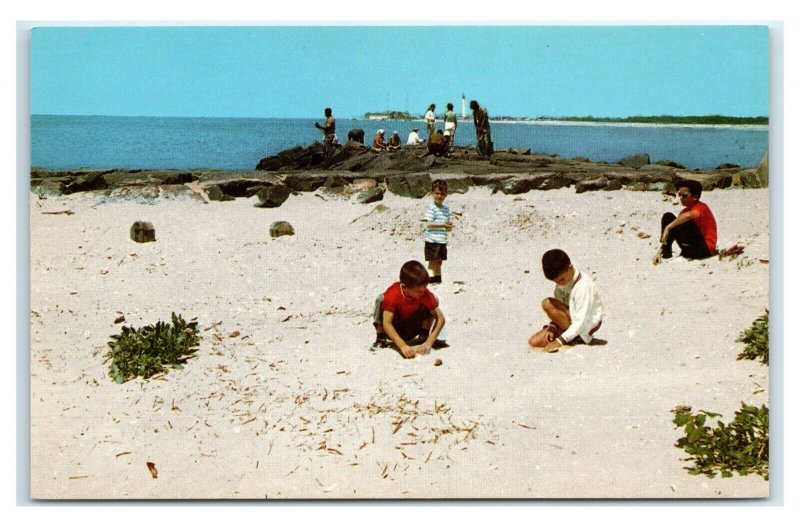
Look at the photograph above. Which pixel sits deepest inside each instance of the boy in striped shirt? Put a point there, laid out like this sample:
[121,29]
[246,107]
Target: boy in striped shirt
[437,230]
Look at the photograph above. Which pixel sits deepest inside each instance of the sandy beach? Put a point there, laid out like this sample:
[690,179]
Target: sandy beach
[285,399]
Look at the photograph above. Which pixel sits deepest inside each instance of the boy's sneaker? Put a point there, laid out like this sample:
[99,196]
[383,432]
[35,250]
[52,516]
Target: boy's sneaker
[435,279]
[381,342]
[416,341]
[439,344]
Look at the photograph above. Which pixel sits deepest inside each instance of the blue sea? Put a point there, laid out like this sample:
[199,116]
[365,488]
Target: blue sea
[100,142]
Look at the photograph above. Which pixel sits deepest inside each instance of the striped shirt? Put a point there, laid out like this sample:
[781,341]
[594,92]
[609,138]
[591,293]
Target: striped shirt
[436,215]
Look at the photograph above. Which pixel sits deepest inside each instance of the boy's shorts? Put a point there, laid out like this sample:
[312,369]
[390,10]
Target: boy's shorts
[435,251]
[577,340]
[409,328]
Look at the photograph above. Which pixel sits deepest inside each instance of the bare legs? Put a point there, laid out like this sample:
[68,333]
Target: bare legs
[558,313]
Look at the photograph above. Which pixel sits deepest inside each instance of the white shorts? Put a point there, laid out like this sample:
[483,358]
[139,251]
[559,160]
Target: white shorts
[450,127]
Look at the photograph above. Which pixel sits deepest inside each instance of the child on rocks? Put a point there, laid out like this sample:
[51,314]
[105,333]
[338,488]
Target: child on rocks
[437,230]
[575,313]
[408,314]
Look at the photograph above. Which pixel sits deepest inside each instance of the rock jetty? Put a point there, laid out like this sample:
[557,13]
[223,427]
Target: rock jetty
[357,169]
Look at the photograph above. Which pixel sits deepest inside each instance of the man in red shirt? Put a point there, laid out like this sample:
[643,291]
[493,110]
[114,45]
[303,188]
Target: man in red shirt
[409,314]
[695,228]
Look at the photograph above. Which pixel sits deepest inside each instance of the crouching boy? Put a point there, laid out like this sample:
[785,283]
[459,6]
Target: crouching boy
[408,314]
[575,313]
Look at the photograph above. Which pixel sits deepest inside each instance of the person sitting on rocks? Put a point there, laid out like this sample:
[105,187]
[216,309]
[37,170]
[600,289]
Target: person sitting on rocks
[438,144]
[414,138]
[379,143]
[394,141]
[695,228]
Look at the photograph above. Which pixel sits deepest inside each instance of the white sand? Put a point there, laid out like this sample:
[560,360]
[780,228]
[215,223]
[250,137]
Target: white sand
[297,406]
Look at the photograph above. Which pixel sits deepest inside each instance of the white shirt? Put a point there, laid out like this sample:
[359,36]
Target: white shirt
[430,116]
[585,307]
[414,139]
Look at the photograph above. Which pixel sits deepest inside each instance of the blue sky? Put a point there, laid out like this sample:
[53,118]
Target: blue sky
[283,71]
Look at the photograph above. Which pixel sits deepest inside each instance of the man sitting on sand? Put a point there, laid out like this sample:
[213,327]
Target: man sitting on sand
[408,314]
[695,228]
[575,313]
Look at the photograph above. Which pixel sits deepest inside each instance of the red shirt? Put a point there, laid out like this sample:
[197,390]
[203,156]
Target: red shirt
[394,301]
[706,223]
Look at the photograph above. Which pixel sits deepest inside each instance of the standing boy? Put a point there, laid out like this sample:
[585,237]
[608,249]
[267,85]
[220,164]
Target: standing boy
[437,230]
[575,313]
[408,314]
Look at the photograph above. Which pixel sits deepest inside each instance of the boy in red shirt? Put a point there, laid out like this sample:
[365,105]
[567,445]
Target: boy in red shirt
[695,228]
[408,314]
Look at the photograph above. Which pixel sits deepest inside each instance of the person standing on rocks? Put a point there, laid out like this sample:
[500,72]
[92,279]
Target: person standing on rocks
[450,122]
[695,228]
[430,120]
[329,131]
[481,119]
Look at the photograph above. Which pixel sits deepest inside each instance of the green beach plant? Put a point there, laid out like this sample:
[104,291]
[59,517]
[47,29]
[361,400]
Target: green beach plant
[149,350]
[741,446]
[756,340]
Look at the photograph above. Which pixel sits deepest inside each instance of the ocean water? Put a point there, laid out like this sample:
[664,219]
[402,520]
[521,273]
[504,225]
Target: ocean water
[101,142]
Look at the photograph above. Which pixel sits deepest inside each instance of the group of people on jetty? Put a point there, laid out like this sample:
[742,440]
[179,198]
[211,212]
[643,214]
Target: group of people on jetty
[407,316]
[439,143]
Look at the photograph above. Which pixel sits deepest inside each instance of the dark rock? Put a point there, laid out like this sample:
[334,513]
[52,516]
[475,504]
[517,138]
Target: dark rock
[489,179]
[746,179]
[94,181]
[179,179]
[243,188]
[419,184]
[727,166]
[522,151]
[48,187]
[591,184]
[635,161]
[398,185]
[370,196]
[336,182]
[272,196]
[709,181]
[516,185]
[297,158]
[658,186]
[668,163]
[281,228]
[215,194]
[613,184]
[356,135]
[304,182]
[143,232]
[357,162]
[554,182]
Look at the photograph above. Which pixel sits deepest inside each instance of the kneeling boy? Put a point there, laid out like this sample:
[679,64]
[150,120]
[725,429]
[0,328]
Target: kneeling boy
[408,314]
[575,313]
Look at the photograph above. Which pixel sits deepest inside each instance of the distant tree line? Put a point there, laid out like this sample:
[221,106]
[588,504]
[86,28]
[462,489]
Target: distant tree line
[665,119]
